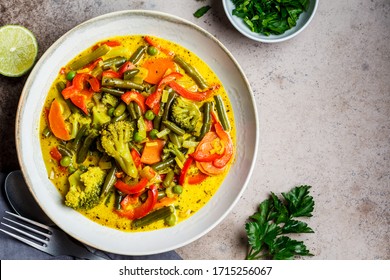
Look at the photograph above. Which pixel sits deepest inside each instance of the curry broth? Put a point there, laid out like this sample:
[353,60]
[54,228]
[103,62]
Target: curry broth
[193,196]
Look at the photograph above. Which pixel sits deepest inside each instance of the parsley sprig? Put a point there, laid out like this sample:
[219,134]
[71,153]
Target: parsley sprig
[267,229]
[270,16]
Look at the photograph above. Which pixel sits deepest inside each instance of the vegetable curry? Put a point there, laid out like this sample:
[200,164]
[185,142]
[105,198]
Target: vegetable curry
[137,133]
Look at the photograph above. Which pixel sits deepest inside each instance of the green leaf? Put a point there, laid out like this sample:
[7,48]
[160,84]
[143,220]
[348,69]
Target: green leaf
[285,248]
[294,226]
[201,11]
[300,203]
[254,233]
[280,209]
[269,16]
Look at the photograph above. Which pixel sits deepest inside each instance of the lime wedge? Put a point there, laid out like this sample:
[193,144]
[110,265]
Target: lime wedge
[18,50]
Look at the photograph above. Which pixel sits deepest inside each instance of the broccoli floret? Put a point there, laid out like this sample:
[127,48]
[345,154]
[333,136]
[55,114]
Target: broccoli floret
[185,114]
[109,99]
[84,188]
[115,138]
[99,115]
[99,111]
[77,120]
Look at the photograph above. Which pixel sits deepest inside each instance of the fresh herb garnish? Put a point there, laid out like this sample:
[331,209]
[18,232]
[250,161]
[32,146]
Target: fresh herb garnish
[267,228]
[201,11]
[270,16]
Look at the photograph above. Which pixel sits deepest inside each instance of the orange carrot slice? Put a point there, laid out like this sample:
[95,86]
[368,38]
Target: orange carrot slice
[57,122]
[157,69]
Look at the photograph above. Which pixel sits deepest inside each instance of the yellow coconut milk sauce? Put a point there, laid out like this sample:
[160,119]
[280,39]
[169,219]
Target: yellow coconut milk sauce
[193,196]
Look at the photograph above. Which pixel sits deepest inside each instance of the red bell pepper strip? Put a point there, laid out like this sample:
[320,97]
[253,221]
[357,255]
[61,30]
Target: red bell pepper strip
[136,157]
[78,92]
[153,100]
[184,171]
[131,189]
[195,96]
[143,209]
[198,178]
[111,74]
[55,154]
[93,64]
[228,146]
[159,47]
[128,65]
[133,95]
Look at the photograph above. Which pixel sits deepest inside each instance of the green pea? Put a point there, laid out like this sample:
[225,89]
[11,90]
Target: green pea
[149,115]
[70,75]
[137,137]
[177,189]
[71,169]
[152,50]
[65,161]
[153,133]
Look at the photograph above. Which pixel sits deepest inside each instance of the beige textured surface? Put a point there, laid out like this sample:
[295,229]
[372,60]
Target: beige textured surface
[324,108]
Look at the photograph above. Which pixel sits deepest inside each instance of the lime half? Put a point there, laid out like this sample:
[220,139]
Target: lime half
[18,50]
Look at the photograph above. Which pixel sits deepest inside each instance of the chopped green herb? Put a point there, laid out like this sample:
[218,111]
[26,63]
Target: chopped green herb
[270,16]
[201,11]
[267,229]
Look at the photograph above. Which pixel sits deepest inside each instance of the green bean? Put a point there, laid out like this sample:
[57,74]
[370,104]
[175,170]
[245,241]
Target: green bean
[60,86]
[113,62]
[130,74]
[171,97]
[161,194]
[98,70]
[163,133]
[163,164]
[120,109]
[137,110]
[174,128]
[223,118]
[123,84]
[174,138]
[168,178]
[207,107]
[76,143]
[130,108]
[157,118]
[109,181]
[115,92]
[83,152]
[118,199]
[154,216]
[84,60]
[138,54]
[64,151]
[192,72]
[120,118]
[46,132]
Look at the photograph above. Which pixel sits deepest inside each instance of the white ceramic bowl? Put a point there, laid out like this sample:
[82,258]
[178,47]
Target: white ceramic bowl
[303,21]
[189,36]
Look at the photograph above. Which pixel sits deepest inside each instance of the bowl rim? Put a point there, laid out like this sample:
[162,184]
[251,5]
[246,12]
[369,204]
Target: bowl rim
[166,16]
[262,38]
